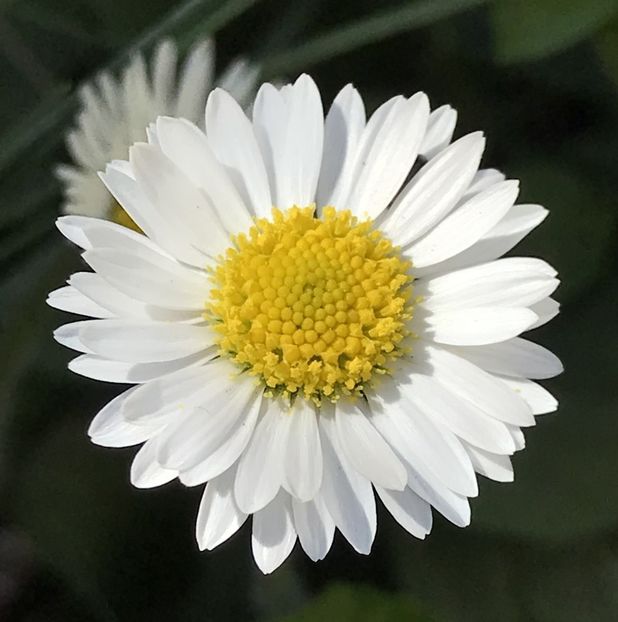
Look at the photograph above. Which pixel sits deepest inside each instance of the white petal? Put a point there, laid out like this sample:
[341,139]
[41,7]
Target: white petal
[476,326]
[143,342]
[540,400]
[387,150]
[435,189]
[150,220]
[347,494]
[187,146]
[463,227]
[517,357]
[289,129]
[440,128]
[546,309]
[146,472]
[314,526]
[509,282]
[460,416]
[477,387]
[260,469]
[517,223]
[70,299]
[218,517]
[202,437]
[428,445]
[195,81]
[494,466]
[273,536]
[110,429]
[483,179]
[343,128]
[99,368]
[302,463]
[366,450]
[176,201]
[69,336]
[231,137]
[164,73]
[239,79]
[408,509]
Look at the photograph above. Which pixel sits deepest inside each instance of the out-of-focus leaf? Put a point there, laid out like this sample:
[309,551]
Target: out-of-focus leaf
[526,30]
[578,233]
[364,31]
[351,603]
[607,48]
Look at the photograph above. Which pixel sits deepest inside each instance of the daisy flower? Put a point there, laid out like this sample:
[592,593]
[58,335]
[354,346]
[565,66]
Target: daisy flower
[307,323]
[116,112]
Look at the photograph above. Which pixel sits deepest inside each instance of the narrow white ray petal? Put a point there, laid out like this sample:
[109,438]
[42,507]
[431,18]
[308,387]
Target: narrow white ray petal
[314,526]
[110,429]
[476,386]
[422,442]
[218,517]
[302,463]
[117,304]
[347,494]
[539,399]
[408,509]
[260,469]
[164,73]
[463,227]
[343,128]
[494,466]
[146,471]
[270,118]
[231,137]
[233,439]
[99,368]
[386,152]
[477,326]
[142,341]
[69,336]
[440,128]
[509,282]
[188,148]
[516,357]
[461,417]
[518,437]
[149,219]
[195,81]
[72,231]
[150,278]
[366,450]
[273,536]
[435,189]
[515,225]
[178,391]
[239,79]
[72,300]
[482,180]
[177,202]
[546,309]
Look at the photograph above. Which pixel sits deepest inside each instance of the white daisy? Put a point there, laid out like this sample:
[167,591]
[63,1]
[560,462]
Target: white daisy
[361,337]
[115,113]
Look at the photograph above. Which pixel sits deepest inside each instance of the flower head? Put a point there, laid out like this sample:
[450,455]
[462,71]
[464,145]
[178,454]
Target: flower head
[307,323]
[115,113]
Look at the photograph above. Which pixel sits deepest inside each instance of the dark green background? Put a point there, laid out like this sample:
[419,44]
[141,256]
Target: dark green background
[78,543]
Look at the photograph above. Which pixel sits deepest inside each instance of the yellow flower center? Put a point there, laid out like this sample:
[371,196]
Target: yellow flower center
[312,306]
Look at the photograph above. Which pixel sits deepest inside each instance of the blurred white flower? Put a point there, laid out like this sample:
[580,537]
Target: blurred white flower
[361,338]
[115,113]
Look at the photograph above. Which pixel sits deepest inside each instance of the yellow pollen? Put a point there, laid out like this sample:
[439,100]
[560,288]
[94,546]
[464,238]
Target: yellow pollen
[314,307]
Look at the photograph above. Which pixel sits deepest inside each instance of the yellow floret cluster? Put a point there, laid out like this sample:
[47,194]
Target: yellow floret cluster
[313,306]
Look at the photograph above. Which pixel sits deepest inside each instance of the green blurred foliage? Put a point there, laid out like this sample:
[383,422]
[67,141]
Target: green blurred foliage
[541,78]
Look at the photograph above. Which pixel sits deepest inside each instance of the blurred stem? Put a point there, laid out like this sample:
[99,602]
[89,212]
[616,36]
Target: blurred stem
[363,32]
